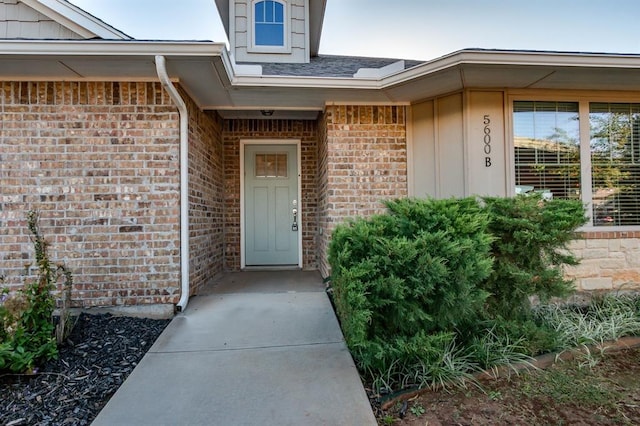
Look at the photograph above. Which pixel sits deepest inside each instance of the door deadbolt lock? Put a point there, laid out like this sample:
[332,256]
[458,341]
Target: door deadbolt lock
[294,226]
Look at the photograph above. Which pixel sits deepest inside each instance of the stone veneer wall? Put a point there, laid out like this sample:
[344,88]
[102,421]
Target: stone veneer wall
[609,260]
[233,132]
[362,157]
[206,196]
[100,162]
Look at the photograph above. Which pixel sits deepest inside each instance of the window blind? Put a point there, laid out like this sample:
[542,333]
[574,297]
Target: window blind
[547,148]
[615,163]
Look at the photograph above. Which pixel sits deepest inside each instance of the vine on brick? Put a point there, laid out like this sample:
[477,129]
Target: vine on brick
[27,331]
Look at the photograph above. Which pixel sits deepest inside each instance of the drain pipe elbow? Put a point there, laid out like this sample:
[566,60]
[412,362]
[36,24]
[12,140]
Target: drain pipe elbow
[161,69]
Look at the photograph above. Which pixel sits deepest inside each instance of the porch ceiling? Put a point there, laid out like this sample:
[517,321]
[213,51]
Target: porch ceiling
[205,71]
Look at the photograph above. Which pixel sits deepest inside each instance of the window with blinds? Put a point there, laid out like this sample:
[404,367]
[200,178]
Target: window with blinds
[547,148]
[615,163]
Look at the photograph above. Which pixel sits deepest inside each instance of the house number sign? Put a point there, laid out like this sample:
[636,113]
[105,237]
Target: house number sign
[487,140]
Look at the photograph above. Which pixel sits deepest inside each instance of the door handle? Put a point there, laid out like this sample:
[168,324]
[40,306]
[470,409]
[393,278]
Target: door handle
[294,226]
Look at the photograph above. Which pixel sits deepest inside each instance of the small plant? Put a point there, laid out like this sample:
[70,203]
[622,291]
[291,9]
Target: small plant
[494,395]
[417,410]
[26,323]
[607,318]
[493,349]
[388,419]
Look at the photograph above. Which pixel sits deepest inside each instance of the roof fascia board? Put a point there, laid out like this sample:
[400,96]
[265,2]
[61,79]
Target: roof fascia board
[555,59]
[224,6]
[75,19]
[93,79]
[316,12]
[460,58]
[211,49]
[109,48]
[514,58]
[305,82]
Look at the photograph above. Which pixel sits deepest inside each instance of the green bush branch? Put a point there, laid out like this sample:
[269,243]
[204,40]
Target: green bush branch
[26,316]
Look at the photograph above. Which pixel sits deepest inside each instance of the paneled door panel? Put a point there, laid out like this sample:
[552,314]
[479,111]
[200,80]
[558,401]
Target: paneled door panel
[271,205]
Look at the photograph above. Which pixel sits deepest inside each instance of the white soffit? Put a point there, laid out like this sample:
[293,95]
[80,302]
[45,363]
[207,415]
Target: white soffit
[503,75]
[591,79]
[426,86]
[277,114]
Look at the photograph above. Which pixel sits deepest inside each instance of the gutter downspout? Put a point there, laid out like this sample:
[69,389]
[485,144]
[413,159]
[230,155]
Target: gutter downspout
[161,68]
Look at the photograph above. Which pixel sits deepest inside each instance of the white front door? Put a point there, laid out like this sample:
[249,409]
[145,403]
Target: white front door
[272,209]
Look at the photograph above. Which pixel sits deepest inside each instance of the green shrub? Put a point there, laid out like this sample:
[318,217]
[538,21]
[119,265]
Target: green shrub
[434,289]
[403,281]
[529,250]
[26,323]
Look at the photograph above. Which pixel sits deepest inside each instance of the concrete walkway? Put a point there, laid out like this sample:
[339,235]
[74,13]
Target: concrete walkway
[259,348]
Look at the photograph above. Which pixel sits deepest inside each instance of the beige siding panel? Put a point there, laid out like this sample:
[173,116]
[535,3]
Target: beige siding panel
[297,41]
[486,144]
[297,32]
[20,21]
[450,148]
[296,56]
[241,8]
[11,10]
[297,26]
[241,40]
[26,14]
[240,20]
[30,29]
[297,10]
[424,150]
[13,29]
[241,24]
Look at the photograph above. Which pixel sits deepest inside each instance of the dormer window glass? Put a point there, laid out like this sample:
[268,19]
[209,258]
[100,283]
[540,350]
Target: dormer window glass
[269,18]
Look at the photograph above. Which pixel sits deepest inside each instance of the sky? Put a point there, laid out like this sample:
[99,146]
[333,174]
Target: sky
[408,29]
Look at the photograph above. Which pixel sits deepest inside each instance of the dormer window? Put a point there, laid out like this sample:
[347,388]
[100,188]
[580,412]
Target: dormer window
[270,26]
[269,16]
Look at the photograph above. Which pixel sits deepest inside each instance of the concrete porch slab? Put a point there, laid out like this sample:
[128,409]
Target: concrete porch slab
[309,385]
[250,320]
[266,282]
[247,357]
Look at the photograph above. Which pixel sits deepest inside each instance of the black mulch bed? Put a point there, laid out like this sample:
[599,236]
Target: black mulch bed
[94,361]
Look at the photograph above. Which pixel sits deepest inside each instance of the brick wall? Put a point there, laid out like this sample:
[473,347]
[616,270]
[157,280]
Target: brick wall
[609,260]
[233,132]
[363,160]
[100,161]
[324,220]
[206,206]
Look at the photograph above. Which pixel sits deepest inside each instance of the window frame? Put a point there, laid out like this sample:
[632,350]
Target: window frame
[251,30]
[583,100]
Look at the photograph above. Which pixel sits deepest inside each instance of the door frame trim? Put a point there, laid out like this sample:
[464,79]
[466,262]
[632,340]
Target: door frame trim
[297,143]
